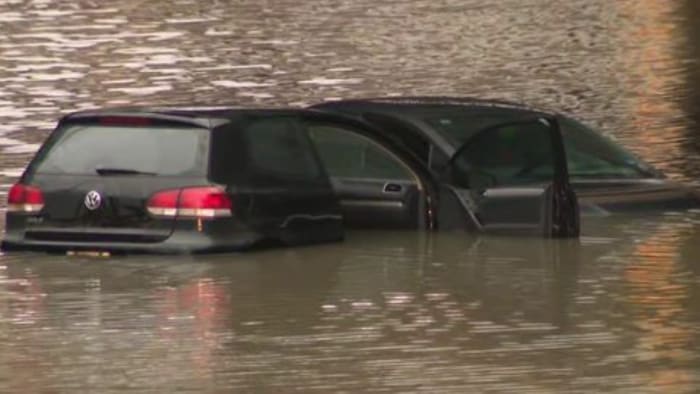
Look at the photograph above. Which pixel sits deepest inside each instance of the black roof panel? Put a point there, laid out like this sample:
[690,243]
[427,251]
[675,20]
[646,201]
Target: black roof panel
[184,111]
[424,101]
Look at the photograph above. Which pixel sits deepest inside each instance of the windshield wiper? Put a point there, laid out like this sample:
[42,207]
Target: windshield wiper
[121,171]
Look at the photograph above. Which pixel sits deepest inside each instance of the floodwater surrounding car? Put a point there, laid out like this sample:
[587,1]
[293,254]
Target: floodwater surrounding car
[205,180]
[607,178]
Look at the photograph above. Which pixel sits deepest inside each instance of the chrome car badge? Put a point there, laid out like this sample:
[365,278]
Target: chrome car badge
[93,200]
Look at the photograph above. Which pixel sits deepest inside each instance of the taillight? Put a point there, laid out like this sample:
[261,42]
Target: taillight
[164,203]
[24,198]
[192,202]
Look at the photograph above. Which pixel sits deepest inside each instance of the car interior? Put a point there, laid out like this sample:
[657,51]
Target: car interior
[375,188]
[499,181]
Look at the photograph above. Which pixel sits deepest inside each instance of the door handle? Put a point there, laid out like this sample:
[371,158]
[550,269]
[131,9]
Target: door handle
[392,188]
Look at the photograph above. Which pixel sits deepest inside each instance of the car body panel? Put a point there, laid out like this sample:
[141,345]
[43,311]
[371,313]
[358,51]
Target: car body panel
[378,204]
[122,209]
[603,197]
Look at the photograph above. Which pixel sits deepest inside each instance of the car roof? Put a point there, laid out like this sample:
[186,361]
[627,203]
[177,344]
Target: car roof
[400,103]
[225,112]
[203,116]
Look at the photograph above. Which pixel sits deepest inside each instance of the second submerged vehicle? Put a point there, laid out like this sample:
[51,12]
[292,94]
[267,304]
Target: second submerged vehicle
[606,177]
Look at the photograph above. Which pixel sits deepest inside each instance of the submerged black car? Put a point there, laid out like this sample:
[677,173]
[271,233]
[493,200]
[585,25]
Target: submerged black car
[606,178]
[203,180]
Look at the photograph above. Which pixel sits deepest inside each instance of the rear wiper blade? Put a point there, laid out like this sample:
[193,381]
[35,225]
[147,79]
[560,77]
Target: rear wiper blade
[121,171]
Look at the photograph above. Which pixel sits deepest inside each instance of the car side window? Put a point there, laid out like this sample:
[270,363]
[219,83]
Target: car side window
[592,155]
[346,154]
[504,156]
[280,147]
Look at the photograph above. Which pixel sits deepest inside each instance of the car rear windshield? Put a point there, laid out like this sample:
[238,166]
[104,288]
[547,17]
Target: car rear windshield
[92,149]
[589,154]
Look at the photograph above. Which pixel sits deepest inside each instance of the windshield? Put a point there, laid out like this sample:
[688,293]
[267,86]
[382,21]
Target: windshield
[114,150]
[589,154]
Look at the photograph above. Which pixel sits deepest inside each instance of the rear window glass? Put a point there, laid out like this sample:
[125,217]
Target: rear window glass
[83,149]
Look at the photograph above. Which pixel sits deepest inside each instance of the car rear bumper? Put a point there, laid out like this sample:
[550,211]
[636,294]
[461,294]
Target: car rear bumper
[186,237]
[176,244]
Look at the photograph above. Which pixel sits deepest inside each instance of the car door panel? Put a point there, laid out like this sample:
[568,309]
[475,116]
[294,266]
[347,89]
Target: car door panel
[514,178]
[377,203]
[545,206]
[291,197]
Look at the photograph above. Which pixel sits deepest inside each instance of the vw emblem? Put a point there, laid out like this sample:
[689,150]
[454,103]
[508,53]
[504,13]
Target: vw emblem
[93,200]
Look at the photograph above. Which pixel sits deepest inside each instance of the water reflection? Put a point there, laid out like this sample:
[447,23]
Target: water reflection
[485,313]
[651,44]
[658,292]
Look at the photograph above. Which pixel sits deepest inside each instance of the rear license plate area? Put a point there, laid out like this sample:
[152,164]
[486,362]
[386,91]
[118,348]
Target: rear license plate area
[88,253]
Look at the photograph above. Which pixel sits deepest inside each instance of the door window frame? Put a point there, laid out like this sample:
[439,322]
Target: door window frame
[354,132]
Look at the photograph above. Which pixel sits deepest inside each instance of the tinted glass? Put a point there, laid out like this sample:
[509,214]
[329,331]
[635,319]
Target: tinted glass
[589,154]
[228,162]
[510,155]
[460,127]
[81,149]
[280,147]
[348,155]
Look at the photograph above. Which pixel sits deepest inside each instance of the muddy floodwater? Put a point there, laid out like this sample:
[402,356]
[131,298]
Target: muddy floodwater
[617,311]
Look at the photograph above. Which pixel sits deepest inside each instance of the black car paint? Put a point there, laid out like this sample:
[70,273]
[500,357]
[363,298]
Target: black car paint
[596,196]
[449,208]
[265,207]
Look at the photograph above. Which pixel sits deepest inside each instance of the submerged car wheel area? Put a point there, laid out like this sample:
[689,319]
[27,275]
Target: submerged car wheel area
[207,180]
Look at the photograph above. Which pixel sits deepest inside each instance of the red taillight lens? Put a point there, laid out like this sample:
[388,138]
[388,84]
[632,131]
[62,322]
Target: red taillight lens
[24,198]
[164,203]
[191,202]
[16,194]
[204,202]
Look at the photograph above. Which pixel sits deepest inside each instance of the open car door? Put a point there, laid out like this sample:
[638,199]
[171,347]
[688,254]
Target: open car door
[511,178]
[378,183]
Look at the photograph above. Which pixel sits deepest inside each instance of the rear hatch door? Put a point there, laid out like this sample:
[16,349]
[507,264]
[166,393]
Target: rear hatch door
[97,174]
